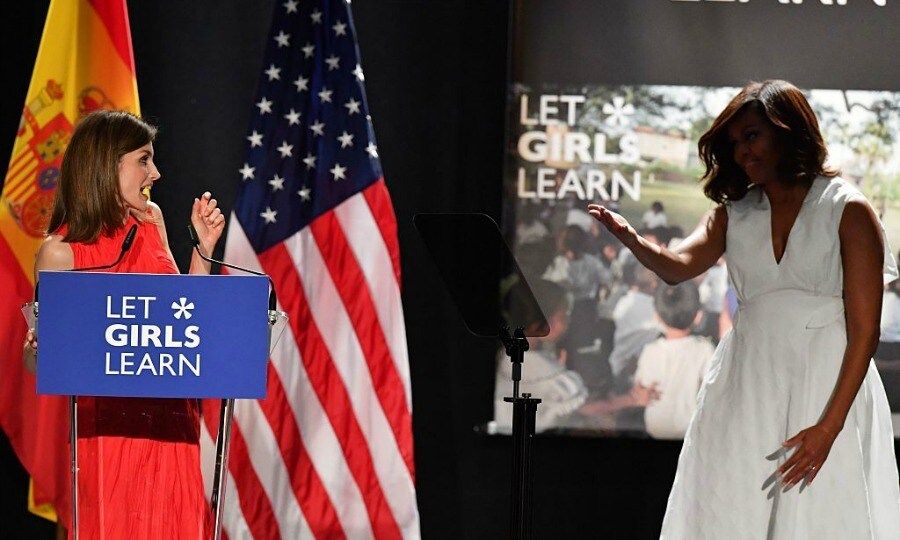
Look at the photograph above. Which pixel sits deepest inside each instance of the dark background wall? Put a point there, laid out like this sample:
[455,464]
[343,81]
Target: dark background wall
[435,78]
[708,43]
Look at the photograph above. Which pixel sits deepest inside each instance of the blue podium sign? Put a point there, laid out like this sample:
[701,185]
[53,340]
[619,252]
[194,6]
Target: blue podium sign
[152,335]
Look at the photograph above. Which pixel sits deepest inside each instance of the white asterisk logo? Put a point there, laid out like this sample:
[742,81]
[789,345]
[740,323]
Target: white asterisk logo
[182,308]
[617,111]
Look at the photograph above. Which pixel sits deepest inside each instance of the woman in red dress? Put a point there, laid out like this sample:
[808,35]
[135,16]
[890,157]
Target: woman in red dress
[139,459]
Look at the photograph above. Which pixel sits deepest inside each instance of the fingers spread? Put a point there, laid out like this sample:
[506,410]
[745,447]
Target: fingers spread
[799,466]
[798,455]
[800,472]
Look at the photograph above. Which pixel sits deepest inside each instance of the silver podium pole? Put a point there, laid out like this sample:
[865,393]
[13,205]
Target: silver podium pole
[277,320]
[223,438]
[73,461]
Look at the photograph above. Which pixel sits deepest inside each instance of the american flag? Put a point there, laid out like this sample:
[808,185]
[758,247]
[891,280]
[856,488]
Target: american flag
[329,452]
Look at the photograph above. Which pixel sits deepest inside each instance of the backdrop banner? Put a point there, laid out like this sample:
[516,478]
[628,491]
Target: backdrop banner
[606,103]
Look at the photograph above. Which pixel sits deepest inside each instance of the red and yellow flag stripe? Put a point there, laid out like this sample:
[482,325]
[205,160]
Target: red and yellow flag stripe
[84,63]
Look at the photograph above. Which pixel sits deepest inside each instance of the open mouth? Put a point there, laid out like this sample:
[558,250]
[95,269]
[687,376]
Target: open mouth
[145,192]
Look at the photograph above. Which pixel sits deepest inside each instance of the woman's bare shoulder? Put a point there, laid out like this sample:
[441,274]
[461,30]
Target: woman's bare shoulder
[720,212]
[715,221]
[858,219]
[54,254]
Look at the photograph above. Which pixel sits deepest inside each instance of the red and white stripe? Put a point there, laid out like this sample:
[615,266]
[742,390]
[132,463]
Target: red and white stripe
[329,452]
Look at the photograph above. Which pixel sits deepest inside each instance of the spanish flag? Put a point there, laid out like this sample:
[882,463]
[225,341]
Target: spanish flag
[84,63]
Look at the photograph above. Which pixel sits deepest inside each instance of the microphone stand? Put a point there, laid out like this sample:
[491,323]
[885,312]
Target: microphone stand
[273,302]
[226,410]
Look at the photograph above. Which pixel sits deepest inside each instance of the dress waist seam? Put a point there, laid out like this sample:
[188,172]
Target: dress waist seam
[785,294]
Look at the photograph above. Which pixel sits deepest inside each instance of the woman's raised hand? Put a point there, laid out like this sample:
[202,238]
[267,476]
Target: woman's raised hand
[208,221]
[616,224]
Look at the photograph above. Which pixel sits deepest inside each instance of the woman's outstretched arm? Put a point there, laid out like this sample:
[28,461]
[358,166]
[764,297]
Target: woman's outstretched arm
[693,256]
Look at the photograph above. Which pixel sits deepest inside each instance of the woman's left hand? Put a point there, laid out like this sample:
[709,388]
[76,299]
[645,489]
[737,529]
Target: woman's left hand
[208,221]
[811,448]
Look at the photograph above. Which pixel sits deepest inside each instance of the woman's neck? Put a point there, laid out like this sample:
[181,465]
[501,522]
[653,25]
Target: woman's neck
[134,213]
[780,192]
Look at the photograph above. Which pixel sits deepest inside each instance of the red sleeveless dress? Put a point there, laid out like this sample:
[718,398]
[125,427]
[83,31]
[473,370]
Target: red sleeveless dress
[139,459]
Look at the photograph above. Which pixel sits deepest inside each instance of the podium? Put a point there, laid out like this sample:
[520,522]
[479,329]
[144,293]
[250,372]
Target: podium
[154,336]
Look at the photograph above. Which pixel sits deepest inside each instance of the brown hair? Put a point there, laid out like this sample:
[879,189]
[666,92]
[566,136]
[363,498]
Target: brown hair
[88,198]
[797,134]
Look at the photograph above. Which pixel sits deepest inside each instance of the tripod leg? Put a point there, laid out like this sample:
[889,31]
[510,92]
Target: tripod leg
[520,519]
[528,474]
[223,438]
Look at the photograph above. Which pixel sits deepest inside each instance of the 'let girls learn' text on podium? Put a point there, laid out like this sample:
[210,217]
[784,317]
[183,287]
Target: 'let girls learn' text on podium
[160,336]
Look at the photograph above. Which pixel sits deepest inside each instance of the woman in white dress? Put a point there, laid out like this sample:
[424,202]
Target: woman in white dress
[792,436]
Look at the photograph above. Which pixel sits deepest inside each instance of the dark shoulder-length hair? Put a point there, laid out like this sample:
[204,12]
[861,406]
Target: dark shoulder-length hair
[88,199]
[799,140]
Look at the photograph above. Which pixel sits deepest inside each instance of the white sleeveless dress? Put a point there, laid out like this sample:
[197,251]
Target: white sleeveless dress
[772,376]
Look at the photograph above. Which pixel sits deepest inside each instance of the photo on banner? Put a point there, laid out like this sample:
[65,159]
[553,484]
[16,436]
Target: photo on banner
[624,358]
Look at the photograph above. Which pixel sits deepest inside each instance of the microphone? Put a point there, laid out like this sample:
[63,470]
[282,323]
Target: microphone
[126,245]
[273,302]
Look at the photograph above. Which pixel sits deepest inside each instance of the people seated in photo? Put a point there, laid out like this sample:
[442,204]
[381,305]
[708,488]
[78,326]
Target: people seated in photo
[582,275]
[529,228]
[889,343]
[578,272]
[544,374]
[712,297]
[674,365]
[655,216]
[635,322]
[887,355]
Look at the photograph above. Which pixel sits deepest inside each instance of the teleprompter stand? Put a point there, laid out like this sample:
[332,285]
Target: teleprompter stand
[492,296]
[524,411]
